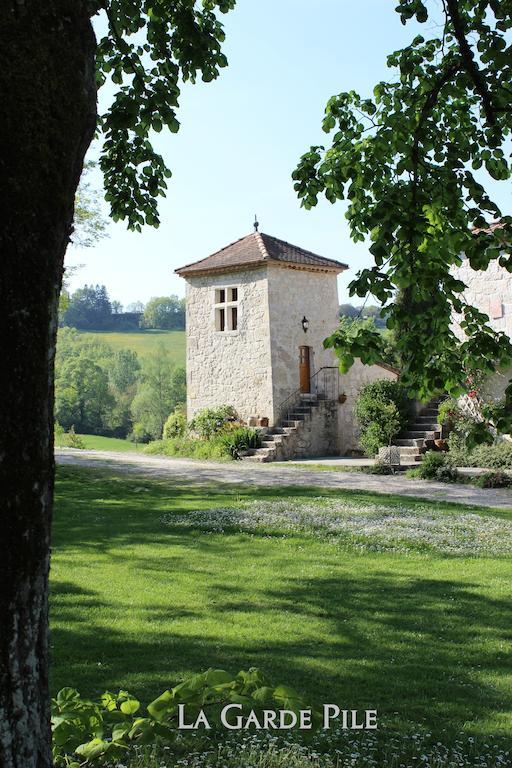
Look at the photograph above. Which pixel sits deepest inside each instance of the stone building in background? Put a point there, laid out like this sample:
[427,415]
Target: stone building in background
[258,312]
[490,291]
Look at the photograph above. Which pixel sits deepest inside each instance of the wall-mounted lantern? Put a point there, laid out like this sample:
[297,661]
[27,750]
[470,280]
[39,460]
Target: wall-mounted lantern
[305,324]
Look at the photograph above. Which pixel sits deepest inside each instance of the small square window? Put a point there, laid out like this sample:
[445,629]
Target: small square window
[226,309]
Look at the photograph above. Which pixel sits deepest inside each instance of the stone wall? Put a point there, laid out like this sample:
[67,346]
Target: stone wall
[493,388]
[292,295]
[317,435]
[351,384]
[490,291]
[232,367]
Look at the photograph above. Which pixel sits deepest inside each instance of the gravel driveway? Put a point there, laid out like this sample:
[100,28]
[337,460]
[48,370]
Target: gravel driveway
[278,475]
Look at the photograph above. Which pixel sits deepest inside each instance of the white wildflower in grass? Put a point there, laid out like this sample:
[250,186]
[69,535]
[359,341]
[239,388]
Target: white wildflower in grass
[365,526]
[332,749]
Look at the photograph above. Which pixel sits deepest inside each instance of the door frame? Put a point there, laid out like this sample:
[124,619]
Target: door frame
[305,369]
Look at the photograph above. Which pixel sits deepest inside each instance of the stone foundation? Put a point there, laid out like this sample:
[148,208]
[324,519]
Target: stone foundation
[318,435]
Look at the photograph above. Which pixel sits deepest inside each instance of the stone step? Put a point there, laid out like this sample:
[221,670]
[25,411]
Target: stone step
[292,423]
[272,443]
[409,450]
[421,434]
[264,454]
[404,441]
[274,438]
[421,431]
[257,458]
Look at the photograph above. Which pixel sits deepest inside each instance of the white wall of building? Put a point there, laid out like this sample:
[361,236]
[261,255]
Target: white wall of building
[233,367]
[292,295]
[490,291]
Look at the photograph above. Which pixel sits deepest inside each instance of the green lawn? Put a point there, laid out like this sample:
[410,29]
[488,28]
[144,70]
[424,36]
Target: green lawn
[100,443]
[136,603]
[144,342]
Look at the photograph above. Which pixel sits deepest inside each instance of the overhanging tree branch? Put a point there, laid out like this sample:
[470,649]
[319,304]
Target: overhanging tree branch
[470,64]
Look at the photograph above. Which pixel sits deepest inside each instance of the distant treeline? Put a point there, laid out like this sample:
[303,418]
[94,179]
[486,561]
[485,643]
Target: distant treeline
[375,313]
[103,391]
[91,309]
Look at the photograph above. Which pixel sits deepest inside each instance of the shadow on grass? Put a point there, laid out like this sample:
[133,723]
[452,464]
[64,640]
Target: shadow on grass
[417,649]
[364,632]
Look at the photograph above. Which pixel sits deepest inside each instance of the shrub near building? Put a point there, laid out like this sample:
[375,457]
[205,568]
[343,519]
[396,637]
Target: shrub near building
[472,440]
[381,408]
[213,433]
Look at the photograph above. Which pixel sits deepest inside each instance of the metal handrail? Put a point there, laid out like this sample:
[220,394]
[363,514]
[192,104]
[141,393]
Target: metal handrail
[286,407]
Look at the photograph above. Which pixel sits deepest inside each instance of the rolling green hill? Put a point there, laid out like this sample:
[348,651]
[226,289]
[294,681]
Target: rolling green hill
[144,342]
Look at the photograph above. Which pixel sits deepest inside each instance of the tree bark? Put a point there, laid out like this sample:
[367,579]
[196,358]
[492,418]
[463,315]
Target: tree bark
[48,117]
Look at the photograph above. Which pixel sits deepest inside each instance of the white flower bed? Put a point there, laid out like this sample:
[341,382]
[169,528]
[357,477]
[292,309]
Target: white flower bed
[376,527]
[334,749]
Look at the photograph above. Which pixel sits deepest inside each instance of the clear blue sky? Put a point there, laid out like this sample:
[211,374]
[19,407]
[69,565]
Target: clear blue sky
[241,137]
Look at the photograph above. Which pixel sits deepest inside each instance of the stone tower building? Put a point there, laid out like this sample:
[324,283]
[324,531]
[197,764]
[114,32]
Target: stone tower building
[258,312]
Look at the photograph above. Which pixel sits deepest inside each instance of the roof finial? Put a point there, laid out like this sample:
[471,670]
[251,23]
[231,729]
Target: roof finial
[256,222]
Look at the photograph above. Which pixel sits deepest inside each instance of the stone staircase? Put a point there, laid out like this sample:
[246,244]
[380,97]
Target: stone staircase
[292,437]
[420,433]
[286,440]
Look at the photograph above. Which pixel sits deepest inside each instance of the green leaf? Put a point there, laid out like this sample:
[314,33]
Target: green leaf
[93,749]
[218,677]
[130,707]
[161,706]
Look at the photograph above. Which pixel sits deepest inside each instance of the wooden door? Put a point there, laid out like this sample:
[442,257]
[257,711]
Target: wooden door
[304,369]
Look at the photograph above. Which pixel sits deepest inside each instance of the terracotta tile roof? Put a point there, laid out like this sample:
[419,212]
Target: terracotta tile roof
[258,248]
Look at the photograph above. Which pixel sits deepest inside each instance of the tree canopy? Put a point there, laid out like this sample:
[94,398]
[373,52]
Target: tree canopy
[413,162]
[89,225]
[164,312]
[149,48]
[88,307]
[162,387]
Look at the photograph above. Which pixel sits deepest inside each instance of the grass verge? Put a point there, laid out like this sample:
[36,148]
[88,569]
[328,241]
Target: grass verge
[100,443]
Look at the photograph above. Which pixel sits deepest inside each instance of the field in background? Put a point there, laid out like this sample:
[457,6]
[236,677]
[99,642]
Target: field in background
[144,342]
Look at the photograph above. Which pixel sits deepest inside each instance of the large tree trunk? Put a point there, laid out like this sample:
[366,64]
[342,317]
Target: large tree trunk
[48,113]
